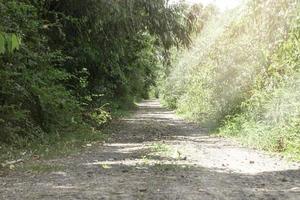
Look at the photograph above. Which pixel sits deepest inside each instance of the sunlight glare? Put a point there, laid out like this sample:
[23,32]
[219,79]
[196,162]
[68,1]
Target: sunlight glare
[222,4]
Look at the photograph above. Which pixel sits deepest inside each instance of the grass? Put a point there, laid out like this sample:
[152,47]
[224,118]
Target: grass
[282,138]
[217,79]
[41,168]
[58,145]
[169,167]
[160,148]
[166,150]
[52,146]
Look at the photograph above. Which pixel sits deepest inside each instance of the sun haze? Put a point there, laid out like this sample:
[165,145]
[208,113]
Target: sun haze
[222,4]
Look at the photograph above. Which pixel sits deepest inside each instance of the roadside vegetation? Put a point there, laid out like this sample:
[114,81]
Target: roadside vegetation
[68,67]
[241,77]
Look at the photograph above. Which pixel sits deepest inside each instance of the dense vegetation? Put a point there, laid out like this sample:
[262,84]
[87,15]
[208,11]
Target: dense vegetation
[241,77]
[65,65]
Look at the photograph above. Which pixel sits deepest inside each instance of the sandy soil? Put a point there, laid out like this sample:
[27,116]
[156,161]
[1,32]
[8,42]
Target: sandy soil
[155,155]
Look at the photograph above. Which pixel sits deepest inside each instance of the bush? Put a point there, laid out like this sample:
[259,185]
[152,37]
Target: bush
[241,75]
[62,61]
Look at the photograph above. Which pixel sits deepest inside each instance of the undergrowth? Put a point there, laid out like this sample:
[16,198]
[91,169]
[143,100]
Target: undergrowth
[68,67]
[241,77]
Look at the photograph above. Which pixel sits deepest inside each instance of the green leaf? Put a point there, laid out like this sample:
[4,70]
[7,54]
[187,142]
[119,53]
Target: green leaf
[12,42]
[9,43]
[2,43]
[15,42]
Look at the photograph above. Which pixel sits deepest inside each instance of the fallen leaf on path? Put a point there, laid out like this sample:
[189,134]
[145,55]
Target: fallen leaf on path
[12,167]
[105,166]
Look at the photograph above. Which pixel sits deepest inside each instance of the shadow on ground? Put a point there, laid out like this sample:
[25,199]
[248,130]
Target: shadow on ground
[156,155]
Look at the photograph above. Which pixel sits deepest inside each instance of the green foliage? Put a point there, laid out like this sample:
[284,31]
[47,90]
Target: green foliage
[41,168]
[242,75]
[9,42]
[270,119]
[65,66]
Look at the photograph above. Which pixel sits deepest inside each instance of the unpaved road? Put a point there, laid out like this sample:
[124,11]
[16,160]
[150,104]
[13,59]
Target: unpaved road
[155,155]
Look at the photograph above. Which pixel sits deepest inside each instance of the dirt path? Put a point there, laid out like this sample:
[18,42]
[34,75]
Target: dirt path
[155,155]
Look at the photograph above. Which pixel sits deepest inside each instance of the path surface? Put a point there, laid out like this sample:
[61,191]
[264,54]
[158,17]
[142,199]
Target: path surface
[155,155]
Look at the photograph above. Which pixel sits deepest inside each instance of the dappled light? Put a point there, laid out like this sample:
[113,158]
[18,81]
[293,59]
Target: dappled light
[172,162]
[187,145]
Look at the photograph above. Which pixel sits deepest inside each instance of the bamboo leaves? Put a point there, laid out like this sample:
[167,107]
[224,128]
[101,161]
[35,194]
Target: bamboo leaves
[9,42]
